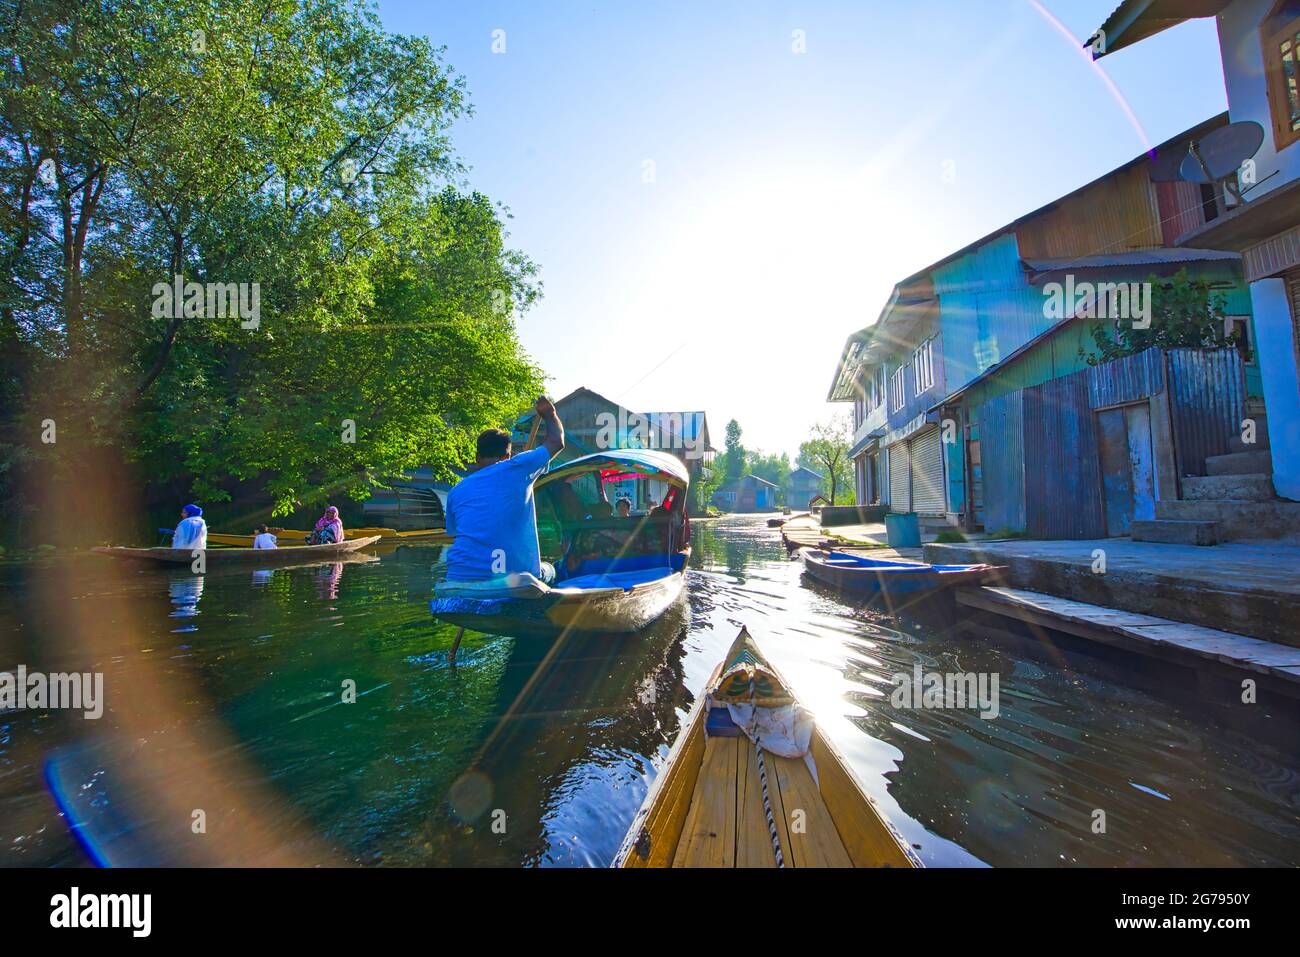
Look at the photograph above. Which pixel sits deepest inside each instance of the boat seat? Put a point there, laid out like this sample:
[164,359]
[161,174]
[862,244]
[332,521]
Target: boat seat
[726,825]
[617,579]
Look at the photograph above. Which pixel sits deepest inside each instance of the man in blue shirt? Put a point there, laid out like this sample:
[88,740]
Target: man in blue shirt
[490,512]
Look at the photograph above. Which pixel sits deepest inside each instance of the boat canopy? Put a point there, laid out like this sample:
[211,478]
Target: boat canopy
[619,464]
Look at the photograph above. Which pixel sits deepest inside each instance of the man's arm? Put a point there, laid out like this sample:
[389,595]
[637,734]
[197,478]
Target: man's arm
[554,427]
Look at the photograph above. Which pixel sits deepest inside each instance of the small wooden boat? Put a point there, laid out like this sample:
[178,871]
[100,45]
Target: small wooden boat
[724,798]
[890,579]
[613,575]
[258,557]
[294,538]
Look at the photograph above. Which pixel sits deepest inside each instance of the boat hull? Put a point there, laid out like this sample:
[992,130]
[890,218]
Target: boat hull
[291,538]
[247,557]
[673,828]
[892,579]
[561,610]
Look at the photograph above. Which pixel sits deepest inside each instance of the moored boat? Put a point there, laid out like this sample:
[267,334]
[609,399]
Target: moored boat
[890,580]
[753,782]
[612,574]
[263,557]
[295,538]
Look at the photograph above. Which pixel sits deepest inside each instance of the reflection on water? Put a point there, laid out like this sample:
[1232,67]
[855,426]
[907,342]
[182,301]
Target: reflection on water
[537,753]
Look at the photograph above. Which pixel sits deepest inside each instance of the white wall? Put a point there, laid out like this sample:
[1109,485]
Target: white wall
[1281,385]
[1243,68]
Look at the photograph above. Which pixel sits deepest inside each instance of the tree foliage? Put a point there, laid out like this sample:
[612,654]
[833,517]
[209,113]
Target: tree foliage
[291,144]
[1185,312]
[827,451]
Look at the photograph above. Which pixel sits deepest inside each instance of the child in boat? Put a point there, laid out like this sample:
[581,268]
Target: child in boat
[192,532]
[624,507]
[329,529]
[262,538]
[490,512]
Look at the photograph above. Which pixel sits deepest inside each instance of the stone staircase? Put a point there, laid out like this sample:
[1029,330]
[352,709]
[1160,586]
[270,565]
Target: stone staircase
[1235,501]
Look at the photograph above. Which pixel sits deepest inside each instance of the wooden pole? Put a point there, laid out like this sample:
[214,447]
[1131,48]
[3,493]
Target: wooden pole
[532,433]
[460,633]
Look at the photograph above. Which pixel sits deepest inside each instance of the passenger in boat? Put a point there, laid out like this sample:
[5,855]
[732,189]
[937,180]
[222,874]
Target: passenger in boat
[623,508]
[329,529]
[677,530]
[491,513]
[192,532]
[262,537]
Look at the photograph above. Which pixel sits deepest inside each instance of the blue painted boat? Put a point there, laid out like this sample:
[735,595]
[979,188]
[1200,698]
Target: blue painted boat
[613,575]
[879,578]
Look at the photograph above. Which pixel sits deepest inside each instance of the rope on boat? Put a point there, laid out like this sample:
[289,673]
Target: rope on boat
[767,804]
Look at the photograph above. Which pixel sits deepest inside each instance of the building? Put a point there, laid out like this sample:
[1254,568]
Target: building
[593,423]
[1259,42]
[1014,311]
[414,501]
[801,485]
[747,494]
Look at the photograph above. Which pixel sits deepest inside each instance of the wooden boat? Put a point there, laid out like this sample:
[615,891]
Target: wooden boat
[257,557]
[723,801]
[294,538]
[891,580]
[613,575]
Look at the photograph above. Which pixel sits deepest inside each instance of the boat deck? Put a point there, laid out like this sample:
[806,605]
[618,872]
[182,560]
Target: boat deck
[727,827]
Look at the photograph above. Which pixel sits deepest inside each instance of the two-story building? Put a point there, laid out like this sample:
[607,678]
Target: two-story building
[1001,318]
[802,485]
[1259,42]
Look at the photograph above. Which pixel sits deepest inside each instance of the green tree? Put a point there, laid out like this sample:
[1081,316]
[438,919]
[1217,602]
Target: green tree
[827,451]
[1185,312]
[735,463]
[291,144]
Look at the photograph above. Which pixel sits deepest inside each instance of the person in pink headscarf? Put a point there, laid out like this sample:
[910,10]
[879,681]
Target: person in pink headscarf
[329,529]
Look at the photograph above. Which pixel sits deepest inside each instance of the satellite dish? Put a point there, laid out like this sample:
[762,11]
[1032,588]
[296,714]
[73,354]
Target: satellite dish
[1220,154]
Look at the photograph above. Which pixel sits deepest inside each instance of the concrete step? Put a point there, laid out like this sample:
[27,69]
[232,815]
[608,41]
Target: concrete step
[1176,532]
[1228,488]
[1239,521]
[1240,463]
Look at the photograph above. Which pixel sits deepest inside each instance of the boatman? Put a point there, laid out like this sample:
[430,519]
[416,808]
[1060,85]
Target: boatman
[490,512]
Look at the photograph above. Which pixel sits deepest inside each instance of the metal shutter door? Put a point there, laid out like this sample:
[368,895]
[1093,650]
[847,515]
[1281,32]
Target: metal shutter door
[1292,277]
[926,454]
[899,479]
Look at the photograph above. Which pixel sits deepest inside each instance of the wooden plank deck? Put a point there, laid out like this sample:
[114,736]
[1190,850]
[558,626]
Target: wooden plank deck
[1137,632]
[727,827]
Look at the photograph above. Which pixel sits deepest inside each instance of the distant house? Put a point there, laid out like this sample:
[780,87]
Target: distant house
[800,487]
[748,494]
[593,423]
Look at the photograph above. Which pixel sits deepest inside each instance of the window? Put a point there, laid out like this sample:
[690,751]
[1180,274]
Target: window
[1241,326]
[896,389]
[1280,34]
[923,366]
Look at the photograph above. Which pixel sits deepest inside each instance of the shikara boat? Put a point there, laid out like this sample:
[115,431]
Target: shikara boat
[753,782]
[294,538]
[890,580]
[613,575]
[252,557]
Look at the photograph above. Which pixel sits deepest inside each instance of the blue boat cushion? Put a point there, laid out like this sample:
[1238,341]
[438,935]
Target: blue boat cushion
[618,579]
[719,724]
[625,563]
[516,585]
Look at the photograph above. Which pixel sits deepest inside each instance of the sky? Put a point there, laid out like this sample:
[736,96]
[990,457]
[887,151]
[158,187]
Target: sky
[718,193]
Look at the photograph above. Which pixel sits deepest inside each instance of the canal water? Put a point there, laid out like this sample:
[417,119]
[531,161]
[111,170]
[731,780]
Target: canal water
[540,755]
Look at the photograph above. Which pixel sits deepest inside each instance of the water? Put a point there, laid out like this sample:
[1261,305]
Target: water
[224,693]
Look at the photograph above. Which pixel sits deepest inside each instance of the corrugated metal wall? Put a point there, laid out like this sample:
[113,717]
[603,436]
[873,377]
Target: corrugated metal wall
[1118,213]
[900,479]
[1002,461]
[926,454]
[1207,402]
[1062,470]
[1129,379]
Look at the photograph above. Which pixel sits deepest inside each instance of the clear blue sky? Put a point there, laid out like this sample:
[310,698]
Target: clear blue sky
[790,190]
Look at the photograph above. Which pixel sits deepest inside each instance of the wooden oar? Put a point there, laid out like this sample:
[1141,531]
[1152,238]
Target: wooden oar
[460,632]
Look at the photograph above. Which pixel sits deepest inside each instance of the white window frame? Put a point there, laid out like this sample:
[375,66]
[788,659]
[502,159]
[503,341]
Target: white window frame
[923,366]
[897,389]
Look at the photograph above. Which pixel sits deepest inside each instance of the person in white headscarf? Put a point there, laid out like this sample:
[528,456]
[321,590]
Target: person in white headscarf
[192,532]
